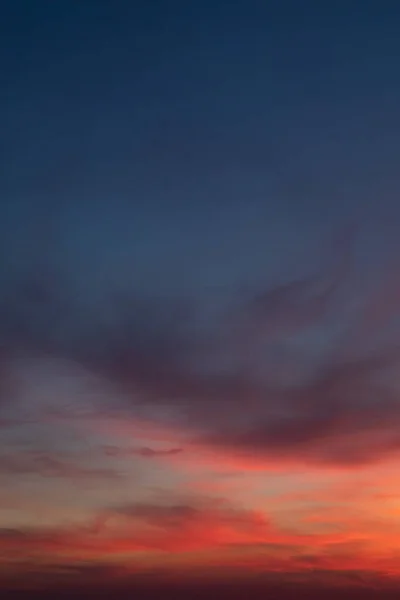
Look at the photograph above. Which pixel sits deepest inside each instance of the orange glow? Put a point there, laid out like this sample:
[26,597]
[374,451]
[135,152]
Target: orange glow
[209,511]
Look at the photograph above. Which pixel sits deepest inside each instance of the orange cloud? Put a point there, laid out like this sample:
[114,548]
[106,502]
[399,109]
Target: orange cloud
[145,532]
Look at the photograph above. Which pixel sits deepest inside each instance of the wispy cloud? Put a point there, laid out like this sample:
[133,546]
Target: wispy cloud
[52,465]
[142,451]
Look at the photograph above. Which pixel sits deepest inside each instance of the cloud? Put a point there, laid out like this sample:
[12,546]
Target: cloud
[180,525]
[127,531]
[189,538]
[142,451]
[51,465]
[207,372]
[344,416]
[172,525]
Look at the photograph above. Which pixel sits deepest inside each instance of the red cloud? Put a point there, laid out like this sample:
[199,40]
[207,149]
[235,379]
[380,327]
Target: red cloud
[188,537]
[201,525]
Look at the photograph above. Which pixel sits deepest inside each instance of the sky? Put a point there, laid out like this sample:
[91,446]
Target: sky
[199,297]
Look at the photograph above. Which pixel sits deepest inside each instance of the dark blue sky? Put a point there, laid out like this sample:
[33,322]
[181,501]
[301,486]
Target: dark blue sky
[168,148]
[195,152]
[212,103]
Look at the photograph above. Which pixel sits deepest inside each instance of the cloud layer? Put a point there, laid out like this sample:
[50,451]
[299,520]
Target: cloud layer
[212,368]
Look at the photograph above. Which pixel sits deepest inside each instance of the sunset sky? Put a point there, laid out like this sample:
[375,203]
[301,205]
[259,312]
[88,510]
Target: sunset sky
[200,294]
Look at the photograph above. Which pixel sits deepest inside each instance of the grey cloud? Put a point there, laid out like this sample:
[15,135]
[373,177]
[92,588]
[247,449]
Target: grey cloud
[51,465]
[153,349]
[143,451]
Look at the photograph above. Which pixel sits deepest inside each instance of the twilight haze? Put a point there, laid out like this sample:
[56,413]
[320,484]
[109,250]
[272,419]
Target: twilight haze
[200,298]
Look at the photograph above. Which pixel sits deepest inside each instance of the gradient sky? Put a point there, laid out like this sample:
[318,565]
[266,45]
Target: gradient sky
[199,292]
